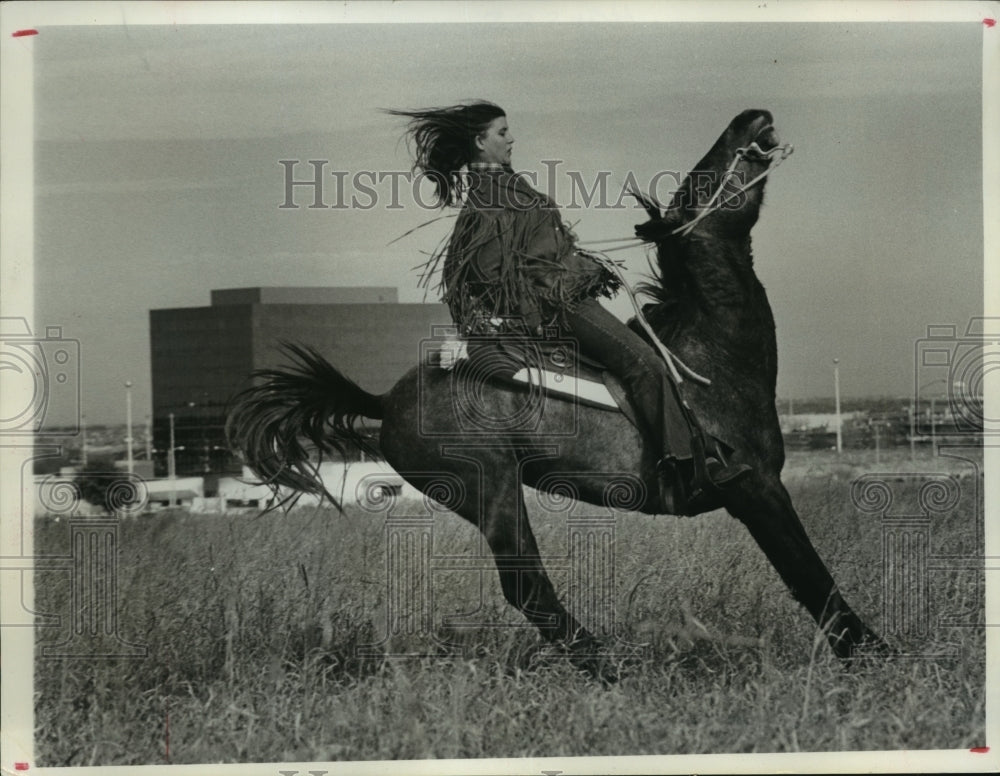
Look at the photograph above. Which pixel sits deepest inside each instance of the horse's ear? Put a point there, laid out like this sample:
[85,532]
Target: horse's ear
[657,229]
[649,203]
[661,224]
[662,221]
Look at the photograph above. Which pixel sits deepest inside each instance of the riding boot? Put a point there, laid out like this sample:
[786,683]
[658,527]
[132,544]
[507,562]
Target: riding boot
[710,470]
[680,491]
[694,470]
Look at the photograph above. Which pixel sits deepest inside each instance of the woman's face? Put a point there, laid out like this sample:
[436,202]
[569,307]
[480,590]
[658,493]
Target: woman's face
[494,145]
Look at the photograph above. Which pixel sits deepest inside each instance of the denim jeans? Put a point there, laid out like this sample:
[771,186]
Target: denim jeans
[626,355]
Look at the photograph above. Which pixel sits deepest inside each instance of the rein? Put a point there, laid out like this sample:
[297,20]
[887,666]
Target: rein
[672,361]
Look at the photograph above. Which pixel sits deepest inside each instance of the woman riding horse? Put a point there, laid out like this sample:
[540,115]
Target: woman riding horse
[512,266]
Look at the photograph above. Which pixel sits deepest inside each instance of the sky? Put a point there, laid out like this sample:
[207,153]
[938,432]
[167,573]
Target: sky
[157,172]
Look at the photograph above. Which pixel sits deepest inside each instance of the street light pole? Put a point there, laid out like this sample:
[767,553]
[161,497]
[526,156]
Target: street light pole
[83,432]
[933,409]
[836,399]
[128,425]
[913,429]
[933,427]
[171,464]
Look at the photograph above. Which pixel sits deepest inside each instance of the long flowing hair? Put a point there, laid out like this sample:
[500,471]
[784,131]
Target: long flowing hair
[443,141]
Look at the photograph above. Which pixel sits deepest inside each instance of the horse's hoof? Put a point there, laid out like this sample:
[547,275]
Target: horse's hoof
[599,668]
[589,656]
[870,648]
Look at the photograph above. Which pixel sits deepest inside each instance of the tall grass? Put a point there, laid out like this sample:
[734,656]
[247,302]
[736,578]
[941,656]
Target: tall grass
[255,628]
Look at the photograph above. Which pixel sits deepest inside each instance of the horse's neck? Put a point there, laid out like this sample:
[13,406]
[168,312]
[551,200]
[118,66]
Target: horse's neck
[721,299]
[720,274]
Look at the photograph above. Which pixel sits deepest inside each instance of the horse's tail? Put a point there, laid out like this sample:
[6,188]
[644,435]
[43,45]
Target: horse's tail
[283,425]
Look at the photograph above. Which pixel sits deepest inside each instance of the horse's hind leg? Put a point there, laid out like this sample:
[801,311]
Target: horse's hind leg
[526,584]
[772,521]
[496,506]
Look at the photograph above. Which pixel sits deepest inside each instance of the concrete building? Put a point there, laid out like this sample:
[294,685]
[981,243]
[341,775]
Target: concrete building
[202,355]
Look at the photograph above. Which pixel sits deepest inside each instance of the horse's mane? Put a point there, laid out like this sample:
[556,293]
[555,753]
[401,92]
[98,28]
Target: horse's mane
[669,281]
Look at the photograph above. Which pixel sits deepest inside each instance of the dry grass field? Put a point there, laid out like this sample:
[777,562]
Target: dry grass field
[266,639]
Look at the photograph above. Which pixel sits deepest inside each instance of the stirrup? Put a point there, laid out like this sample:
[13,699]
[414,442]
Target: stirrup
[678,496]
[721,475]
[670,485]
[715,472]
[706,489]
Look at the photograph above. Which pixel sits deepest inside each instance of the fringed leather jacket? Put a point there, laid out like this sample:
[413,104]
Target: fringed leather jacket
[511,264]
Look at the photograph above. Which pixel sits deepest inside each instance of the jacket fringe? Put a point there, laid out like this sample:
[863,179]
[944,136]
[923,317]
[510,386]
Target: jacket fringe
[511,265]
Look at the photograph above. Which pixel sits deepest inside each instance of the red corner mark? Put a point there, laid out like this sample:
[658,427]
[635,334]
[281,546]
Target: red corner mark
[989,23]
[979,749]
[20,766]
[22,34]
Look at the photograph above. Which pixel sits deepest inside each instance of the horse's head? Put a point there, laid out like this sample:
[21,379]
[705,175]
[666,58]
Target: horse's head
[703,257]
[724,192]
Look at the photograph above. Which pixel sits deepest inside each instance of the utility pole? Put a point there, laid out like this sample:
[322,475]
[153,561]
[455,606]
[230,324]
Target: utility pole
[128,425]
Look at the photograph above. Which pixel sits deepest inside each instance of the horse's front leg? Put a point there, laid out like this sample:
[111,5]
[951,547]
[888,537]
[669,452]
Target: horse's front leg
[767,512]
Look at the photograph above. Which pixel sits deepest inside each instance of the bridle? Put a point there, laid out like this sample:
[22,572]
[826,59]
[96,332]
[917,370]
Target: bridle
[751,152]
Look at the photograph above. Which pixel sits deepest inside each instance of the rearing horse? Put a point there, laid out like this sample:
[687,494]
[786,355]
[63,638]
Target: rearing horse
[473,436]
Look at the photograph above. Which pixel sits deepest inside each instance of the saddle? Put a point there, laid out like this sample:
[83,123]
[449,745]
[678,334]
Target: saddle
[550,363]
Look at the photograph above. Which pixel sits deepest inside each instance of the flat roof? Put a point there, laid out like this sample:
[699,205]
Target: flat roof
[305,295]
